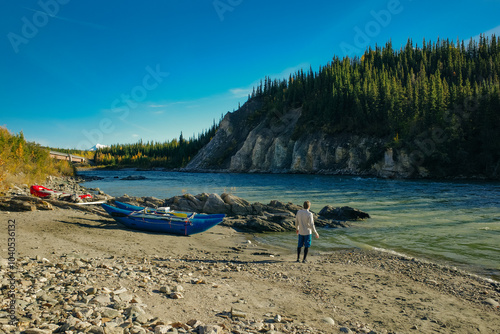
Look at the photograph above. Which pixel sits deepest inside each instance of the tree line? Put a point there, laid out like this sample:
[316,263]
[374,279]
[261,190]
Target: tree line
[444,91]
[169,154]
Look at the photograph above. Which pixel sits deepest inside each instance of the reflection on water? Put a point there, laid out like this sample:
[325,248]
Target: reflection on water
[454,222]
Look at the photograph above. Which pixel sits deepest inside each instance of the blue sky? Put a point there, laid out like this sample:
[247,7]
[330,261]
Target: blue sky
[74,72]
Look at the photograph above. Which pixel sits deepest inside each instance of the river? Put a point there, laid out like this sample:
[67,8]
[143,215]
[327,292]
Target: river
[451,222]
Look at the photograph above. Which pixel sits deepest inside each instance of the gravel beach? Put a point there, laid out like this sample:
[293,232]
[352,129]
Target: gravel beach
[79,272]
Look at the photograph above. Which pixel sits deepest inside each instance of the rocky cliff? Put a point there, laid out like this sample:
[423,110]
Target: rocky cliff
[248,142]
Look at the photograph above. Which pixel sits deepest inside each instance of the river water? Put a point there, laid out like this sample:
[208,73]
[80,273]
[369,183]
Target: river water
[451,222]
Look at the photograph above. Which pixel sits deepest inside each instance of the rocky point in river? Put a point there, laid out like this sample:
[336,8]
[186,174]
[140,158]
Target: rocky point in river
[275,216]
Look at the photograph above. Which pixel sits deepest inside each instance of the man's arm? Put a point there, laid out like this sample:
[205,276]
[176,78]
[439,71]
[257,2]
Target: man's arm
[297,222]
[313,226]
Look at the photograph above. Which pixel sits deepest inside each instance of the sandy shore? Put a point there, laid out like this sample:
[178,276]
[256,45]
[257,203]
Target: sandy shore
[223,270]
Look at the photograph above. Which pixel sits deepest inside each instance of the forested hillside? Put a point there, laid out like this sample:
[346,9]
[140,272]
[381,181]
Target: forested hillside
[441,94]
[439,99]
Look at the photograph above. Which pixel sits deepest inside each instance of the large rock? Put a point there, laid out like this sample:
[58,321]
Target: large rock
[152,202]
[238,205]
[343,213]
[276,206]
[186,202]
[215,204]
[257,208]
[128,199]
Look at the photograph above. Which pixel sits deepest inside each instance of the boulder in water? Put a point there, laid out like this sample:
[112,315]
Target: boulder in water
[133,177]
[342,213]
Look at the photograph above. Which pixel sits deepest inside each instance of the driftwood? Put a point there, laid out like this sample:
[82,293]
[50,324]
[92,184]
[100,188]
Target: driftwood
[30,203]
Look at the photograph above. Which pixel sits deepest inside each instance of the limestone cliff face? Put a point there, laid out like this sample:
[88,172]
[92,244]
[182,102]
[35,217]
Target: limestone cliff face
[268,147]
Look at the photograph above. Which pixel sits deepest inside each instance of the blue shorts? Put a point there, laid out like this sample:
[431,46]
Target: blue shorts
[304,240]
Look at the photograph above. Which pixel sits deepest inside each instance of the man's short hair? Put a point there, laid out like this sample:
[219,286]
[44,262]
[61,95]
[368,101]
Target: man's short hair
[307,205]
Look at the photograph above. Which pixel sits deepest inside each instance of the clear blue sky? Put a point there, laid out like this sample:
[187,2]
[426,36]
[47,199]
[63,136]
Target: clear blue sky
[74,72]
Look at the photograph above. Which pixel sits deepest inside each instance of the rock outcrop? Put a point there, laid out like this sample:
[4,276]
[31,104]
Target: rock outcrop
[242,215]
[271,145]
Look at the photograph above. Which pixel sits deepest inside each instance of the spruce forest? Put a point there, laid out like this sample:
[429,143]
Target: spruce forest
[443,96]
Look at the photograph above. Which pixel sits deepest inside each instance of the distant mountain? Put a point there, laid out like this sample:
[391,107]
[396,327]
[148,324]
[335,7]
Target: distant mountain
[97,146]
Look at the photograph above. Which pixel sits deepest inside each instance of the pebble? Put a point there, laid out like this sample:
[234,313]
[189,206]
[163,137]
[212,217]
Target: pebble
[329,320]
[492,302]
[162,329]
[37,331]
[119,291]
[210,329]
[176,295]
[91,291]
[165,289]
[237,313]
[101,299]
[107,312]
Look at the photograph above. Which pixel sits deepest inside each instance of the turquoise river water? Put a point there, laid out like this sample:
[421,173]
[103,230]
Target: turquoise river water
[451,222]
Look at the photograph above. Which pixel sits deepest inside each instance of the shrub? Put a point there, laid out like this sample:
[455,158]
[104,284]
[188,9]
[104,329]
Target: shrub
[25,163]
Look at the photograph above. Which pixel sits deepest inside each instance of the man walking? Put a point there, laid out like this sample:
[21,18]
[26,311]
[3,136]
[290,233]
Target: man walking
[304,223]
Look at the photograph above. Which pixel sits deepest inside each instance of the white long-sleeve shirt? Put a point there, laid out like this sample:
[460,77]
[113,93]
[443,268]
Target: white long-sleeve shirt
[304,222]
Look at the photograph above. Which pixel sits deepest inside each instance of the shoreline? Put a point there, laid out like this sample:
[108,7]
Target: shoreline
[465,269]
[443,264]
[221,271]
[486,273]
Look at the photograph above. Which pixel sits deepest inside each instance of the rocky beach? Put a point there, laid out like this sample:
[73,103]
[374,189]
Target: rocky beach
[78,271]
